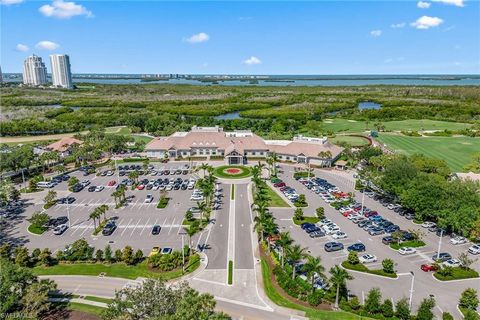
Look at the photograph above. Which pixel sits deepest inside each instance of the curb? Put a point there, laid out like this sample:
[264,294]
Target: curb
[369,274]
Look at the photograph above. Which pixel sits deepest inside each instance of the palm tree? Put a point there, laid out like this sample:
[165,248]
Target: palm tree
[121,192]
[284,241]
[339,278]
[191,230]
[313,267]
[274,157]
[202,206]
[269,160]
[204,167]
[115,194]
[94,215]
[295,255]
[103,210]
[133,175]
[259,226]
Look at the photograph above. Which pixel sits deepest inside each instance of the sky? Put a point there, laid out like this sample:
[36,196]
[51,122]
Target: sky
[249,37]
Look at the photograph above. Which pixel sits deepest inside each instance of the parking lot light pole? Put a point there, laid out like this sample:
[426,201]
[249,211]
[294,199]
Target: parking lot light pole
[363,199]
[183,256]
[411,291]
[68,213]
[439,244]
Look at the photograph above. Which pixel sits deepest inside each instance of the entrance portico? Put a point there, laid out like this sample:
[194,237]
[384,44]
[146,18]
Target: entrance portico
[234,158]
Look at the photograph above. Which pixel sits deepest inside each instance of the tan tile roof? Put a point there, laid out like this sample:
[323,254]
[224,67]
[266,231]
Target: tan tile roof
[63,144]
[305,148]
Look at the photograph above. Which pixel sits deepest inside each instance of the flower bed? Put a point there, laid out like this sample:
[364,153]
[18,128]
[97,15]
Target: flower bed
[232,172]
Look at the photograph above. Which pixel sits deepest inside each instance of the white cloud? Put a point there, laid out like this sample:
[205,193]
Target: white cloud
[252,60]
[21,47]
[64,10]
[198,38]
[398,25]
[9,2]
[47,45]
[376,33]
[458,3]
[426,22]
[423,4]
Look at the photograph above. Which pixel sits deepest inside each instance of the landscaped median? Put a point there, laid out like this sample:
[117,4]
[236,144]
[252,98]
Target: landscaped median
[299,222]
[275,200]
[456,273]
[411,244]
[360,267]
[117,270]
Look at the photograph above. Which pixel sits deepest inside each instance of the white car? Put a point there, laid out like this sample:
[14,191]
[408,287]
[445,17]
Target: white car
[149,198]
[367,258]
[391,206]
[458,240]
[407,250]
[60,229]
[475,249]
[339,235]
[428,224]
[169,187]
[452,263]
[155,187]
[332,230]
[109,173]
[196,198]
[99,188]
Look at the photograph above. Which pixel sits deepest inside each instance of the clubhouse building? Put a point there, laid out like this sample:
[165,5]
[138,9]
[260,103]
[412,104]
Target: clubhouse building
[237,147]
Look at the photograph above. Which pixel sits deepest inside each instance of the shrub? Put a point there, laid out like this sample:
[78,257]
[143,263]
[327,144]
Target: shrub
[45,257]
[166,262]
[118,255]
[447,316]
[39,219]
[301,201]
[298,215]
[425,310]
[388,265]
[138,256]
[373,301]
[99,255]
[353,257]
[127,255]
[354,303]
[315,298]
[469,299]
[320,212]
[387,308]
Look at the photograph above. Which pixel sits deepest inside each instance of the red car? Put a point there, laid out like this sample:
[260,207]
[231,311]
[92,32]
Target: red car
[347,213]
[371,214]
[429,267]
[279,184]
[112,183]
[140,187]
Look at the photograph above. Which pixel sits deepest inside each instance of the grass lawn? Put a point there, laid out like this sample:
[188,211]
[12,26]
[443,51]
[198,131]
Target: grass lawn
[302,174]
[230,272]
[36,230]
[311,313]
[221,172]
[351,140]
[275,199]
[457,273]
[85,308]
[232,192]
[456,151]
[412,243]
[363,268]
[98,299]
[118,270]
[352,126]
[305,220]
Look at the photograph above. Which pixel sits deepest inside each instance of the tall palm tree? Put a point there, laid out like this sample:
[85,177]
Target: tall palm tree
[259,224]
[269,160]
[284,241]
[339,278]
[313,267]
[202,206]
[121,192]
[204,167]
[103,210]
[94,215]
[274,157]
[295,255]
[133,175]
[191,230]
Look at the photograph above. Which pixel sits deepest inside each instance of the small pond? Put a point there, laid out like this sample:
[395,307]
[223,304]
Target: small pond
[229,116]
[367,105]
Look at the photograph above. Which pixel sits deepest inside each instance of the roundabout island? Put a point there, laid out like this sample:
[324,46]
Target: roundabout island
[232,172]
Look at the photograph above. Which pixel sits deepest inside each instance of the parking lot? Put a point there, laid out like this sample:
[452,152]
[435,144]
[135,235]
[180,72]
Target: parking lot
[404,264]
[134,221]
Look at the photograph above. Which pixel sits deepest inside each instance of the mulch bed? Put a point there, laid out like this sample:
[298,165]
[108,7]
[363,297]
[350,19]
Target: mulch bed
[64,314]
[266,256]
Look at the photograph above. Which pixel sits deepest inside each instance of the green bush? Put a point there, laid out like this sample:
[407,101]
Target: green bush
[353,258]
[449,273]
[388,266]
[166,262]
[315,298]
[163,203]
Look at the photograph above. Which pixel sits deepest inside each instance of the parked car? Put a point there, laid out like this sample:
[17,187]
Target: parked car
[375,231]
[156,229]
[140,187]
[58,221]
[442,257]
[109,228]
[428,224]
[452,263]
[429,267]
[358,247]
[60,229]
[149,198]
[111,183]
[99,188]
[91,188]
[367,258]
[333,246]
[154,251]
[387,240]
[166,250]
[475,249]
[407,250]
[339,235]
[77,188]
[279,184]
[458,240]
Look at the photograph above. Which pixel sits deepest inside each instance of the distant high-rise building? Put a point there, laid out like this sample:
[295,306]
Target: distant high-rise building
[34,71]
[1,75]
[61,74]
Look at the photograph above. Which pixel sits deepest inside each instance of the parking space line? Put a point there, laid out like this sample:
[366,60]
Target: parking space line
[163,224]
[125,228]
[87,228]
[144,226]
[171,225]
[133,230]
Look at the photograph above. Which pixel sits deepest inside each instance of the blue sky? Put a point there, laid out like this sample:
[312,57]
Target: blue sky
[316,37]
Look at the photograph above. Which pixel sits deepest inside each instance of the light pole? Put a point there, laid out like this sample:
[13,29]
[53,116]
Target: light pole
[363,199]
[23,178]
[411,291]
[440,243]
[68,212]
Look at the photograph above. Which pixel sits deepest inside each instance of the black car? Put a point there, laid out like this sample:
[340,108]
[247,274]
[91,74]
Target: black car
[316,234]
[77,188]
[307,225]
[156,229]
[185,172]
[109,228]
[407,236]
[184,187]
[65,177]
[69,200]
[176,187]
[333,246]
[58,221]
[91,189]
[358,247]
[441,232]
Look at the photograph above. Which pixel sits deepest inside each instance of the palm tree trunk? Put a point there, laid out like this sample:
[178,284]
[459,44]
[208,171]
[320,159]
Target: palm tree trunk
[336,297]
[283,255]
[313,288]
[293,273]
